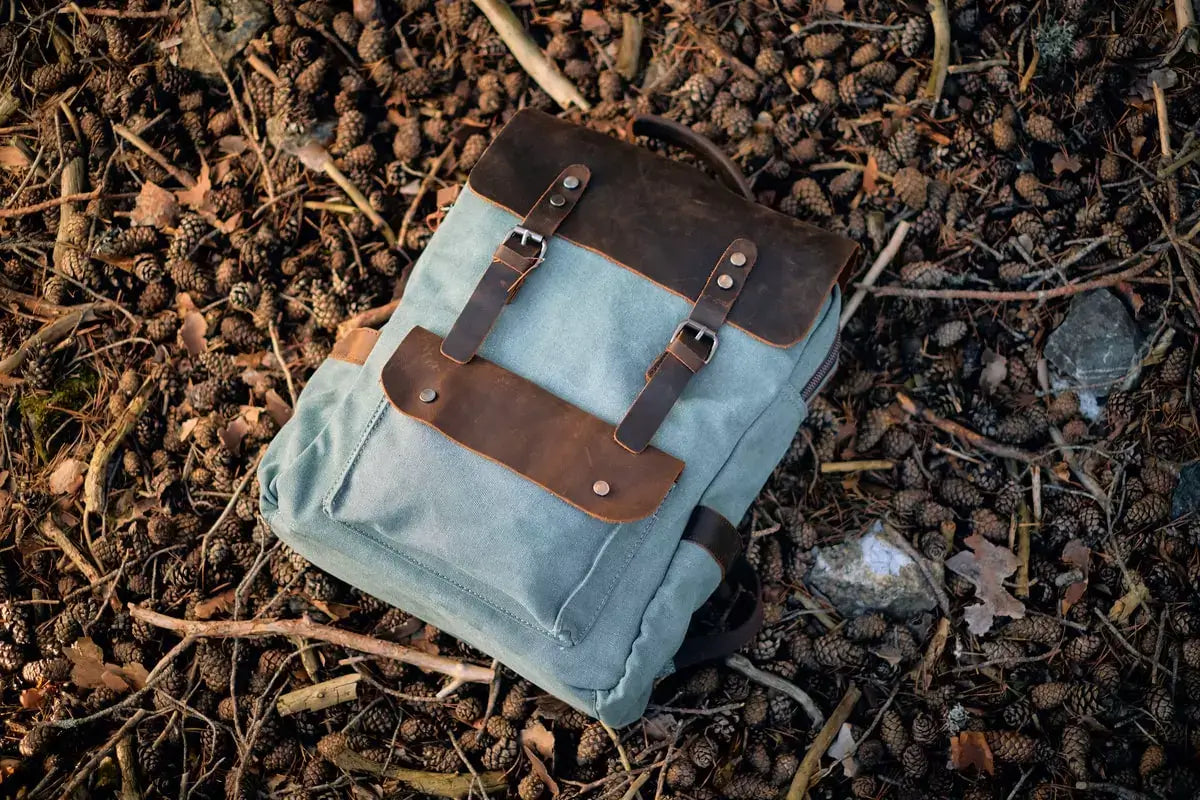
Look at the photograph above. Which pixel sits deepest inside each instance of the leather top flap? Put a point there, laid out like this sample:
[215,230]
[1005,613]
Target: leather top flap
[667,221]
[519,425]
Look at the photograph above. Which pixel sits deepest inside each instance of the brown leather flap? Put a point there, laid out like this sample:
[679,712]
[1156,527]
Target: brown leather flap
[517,424]
[667,221]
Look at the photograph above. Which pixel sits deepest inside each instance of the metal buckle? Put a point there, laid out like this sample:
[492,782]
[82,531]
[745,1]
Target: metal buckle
[701,332]
[526,235]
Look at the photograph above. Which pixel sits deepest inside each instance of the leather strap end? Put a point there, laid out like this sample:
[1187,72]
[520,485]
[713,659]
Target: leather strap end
[355,346]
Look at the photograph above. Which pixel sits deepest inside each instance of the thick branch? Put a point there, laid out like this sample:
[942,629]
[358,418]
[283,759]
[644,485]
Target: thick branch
[971,437]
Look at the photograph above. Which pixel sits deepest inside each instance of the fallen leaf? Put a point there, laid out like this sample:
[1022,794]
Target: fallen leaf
[155,206]
[540,739]
[334,611]
[192,333]
[137,674]
[594,22]
[987,565]
[13,158]
[842,750]
[233,145]
[278,408]
[67,477]
[113,680]
[1136,144]
[1061,162]
[88,663]
[870,175]
[186,427]
[1077,554]
[995,370]
[32,698]
[196,197]
[540,770]
[970,749]
[217,604]
[233,433]
[1129,602]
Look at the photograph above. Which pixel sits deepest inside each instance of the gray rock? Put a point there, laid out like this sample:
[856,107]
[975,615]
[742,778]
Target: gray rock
[1186,499]
[226,25]
[870,573]
[1097,345]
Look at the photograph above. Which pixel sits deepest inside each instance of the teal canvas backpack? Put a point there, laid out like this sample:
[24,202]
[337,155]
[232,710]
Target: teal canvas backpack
[596,364]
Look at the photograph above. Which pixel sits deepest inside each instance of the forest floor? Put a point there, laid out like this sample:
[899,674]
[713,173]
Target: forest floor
[171,272]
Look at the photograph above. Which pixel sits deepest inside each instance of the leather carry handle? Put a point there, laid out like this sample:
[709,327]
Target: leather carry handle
[672,132]
[747,613]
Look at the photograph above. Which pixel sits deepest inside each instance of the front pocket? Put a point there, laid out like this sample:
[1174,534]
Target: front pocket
[492,485]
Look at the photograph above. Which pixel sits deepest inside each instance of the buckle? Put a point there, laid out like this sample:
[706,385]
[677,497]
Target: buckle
[701,332]
[526,235]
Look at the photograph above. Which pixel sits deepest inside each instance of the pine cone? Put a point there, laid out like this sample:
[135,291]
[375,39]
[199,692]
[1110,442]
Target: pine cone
[1014,748]
[372,42]
[867,628]
[960,494]
[893,733]
[834,650]
[593,742]
[909,185]
[1147,510]
[822,45]
[1043,129]
[531,787]
[1049,695]
[913,35]
[811,197]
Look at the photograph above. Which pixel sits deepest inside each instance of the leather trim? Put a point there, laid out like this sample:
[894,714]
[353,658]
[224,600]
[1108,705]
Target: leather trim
[743,594]
[519,425]
[672,132]
[664,220]
[715,534]
[355,346]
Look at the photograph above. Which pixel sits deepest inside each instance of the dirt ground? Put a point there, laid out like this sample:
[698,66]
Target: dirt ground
[173,266]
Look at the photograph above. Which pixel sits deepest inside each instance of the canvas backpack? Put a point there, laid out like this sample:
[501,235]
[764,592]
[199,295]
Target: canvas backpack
[598,361]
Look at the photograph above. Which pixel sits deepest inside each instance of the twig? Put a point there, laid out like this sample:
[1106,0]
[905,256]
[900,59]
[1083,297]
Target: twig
[967,435]
[1133,651]
[128,764]
[1158,645]
[616,740]
[816,750]
[1164,130]
[923,677]
[158,158]
[76,556]
[635,786]
[119,13]
[359,199]
[1085,480]
[1015,297]
[1185,23]
[278,351]
[8,104]
[335,749]
[341,689]
[941,49]
[81,774]
[717,53]
[797,30]
[1120,792]
[857,466]
[225,512]
[93,484]
[772,681]
[529,56]
[977,66]
[78,197]
[881,261]
[1006,662]
[369,318]
[226,629]
[411,212]
[261,67]
[1027,78]
[49,333]
[630,47]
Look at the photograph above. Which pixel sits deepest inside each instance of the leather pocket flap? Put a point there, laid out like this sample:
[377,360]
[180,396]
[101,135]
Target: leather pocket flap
[521,426]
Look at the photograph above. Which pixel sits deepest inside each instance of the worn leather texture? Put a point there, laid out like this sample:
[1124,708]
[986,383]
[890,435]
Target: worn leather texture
[355,346]
[514,422]
[661,219]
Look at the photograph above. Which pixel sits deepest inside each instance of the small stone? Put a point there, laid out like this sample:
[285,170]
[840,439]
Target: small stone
[1097,345]
[1186,499]
[871,573]
[226,25]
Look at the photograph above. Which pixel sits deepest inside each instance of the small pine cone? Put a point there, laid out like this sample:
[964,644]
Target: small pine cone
[748,786]
[1043,129]
[1018,714]
[1039,629]
[865,55]
[531,787]
[1075,748]
[704,753]
[372,42]
[878,73]
[910,186]
[768,62]
[756,710]
[513,708]
[1014,748]
[864,787]
[593,742]
[1153,759]
[37,740]
[11,657]
[1110,168]
[1158,477]
[866,628]
[52,77]
[1158,703]
[915,761]
[834,650]
[925,729]
[1147,510]
[1082,648]
[893,733]
[913,35]
[681,774]
[960,494]
[1049,695]
[822,45]
[417,729]
[406,145]
[811,197]
[472,150]
[46,670]
[784,768]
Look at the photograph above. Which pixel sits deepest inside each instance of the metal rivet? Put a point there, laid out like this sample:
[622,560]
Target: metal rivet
[570,182]
[557,200]
[724,281]
[738,259]
[427,395]
[601,488]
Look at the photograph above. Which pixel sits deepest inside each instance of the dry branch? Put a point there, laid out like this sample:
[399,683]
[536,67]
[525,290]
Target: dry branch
[234,629]
[411,212]
[83,773]
[772,681]
[941,49]
[56,534]
[910,406]
[158,158]
[529,56]
[78,197]
[369,318]
[49,333]
[335,750]
[824,738]
[856,466]
[93,484]
[881,261]
[630,48]
[341,689]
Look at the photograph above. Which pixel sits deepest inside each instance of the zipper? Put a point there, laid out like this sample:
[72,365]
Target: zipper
[826,367]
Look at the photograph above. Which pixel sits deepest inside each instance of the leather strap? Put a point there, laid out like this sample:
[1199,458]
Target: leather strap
[355,346]
[691,347]
[741,587]
[715,534]
[518,255]
[672,132]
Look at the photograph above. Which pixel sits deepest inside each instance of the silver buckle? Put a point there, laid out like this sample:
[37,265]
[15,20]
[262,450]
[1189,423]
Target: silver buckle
[702,332]
[526,235]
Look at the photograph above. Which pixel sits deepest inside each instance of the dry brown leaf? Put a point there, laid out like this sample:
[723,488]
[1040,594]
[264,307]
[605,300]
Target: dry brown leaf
[447,195]
[278,408]
[32,698]
[987,565]
[136,674]
[196,197]
[186,427]
[233,145]
[1061,162]
[112,679]
[1129,602]
[155,206]
[594,22]
[870,175]
[970,749]
[540,739]
[67,477]
[192,333]
[88,663]
[540,770]
[233,433]
[334,611]
[995,370]
[217,604]
[13,158]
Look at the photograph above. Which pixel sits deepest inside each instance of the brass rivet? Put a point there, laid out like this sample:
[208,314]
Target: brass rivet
[557,200]
[724,281]
[570,182]
[738,259]
[601,488]
[427,395]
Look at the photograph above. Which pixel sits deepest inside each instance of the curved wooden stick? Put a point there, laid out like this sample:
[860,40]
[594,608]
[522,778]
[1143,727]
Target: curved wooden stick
[232,629]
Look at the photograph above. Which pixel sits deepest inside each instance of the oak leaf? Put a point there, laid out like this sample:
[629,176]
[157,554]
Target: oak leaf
[987,565]
[970,749]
